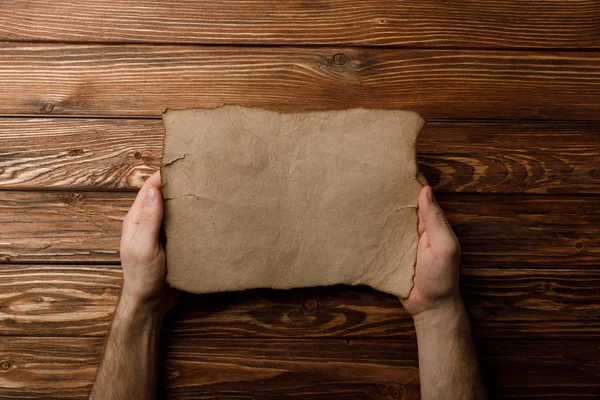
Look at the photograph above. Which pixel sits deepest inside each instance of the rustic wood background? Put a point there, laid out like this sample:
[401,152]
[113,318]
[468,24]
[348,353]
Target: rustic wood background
[511,93]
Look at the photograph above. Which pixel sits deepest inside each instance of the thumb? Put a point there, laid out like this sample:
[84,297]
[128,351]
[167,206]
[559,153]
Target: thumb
[151,216]
[142,223]
[436,225]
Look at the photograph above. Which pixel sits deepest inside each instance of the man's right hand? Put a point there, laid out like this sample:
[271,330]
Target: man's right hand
[447,361]
[436,273]
[142,256]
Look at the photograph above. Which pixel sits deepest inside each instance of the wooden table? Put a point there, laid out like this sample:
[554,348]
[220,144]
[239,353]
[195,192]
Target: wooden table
[511,93]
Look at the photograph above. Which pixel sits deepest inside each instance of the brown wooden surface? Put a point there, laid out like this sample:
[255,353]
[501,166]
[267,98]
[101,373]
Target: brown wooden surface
[515,158]
[73,153]
[144,80]
[78,300]
[505,231]
[466,157]
[319,369]
[521,193]
[429,23]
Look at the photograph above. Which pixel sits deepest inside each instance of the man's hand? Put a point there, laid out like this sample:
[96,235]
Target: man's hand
[130,363]
[447,361]
[438,257]
[142,256]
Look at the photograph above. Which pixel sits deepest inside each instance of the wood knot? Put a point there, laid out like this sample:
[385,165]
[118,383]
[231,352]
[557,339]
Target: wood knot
[310,305]
[5,365]
[340,59]
[72,199]
[382,20]
[541,114]
[547,287]
[172,372]
[579,245]
[137,155]
[48,108]
[76,152]
[393,393]
[6,259]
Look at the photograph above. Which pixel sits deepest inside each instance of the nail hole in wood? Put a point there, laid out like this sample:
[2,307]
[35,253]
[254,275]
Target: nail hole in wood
[311,305]
[76,152]
[340,59]
[48,108]
[393,393]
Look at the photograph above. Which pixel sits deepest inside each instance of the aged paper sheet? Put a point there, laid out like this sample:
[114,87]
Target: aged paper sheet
[260,199]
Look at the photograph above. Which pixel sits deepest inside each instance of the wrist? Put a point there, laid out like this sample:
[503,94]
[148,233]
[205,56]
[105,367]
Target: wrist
[447,315]
[141,309]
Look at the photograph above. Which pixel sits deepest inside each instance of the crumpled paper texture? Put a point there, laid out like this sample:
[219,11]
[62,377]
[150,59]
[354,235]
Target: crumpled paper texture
[260,199]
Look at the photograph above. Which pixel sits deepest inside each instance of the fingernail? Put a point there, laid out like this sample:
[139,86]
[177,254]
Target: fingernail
[430,195]
[151,195]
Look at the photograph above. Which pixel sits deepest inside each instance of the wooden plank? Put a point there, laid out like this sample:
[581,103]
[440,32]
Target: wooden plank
[62,226]
[548,158]
[429,23]
[73,153]
[501,304]
[538,370]
[42,300]
[494,231]
[143,80]
[48,300]
[76,154]
[525,231]
[310,369]
[46,368]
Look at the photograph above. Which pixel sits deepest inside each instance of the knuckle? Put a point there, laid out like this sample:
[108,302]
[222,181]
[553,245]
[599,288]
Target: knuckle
[451,250]
[148,218]
[439,214]
[139,255]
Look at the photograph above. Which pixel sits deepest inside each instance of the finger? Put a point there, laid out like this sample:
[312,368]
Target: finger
[145,215]
[436,226]
[153,181]
[422,180]
[423,243]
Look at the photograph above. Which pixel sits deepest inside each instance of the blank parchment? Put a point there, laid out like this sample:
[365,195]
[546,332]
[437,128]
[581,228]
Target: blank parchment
[260,199]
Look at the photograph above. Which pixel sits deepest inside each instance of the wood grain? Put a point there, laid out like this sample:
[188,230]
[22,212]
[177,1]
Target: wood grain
[48,300]
[42,153]
[466,157]
[537,328]
[525,231]
[307,369]
[67,226]
[430,23]
[501,304]
[494,231]
[46,368]
[539,370]
[143,80]
[540,158]
[72,300]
